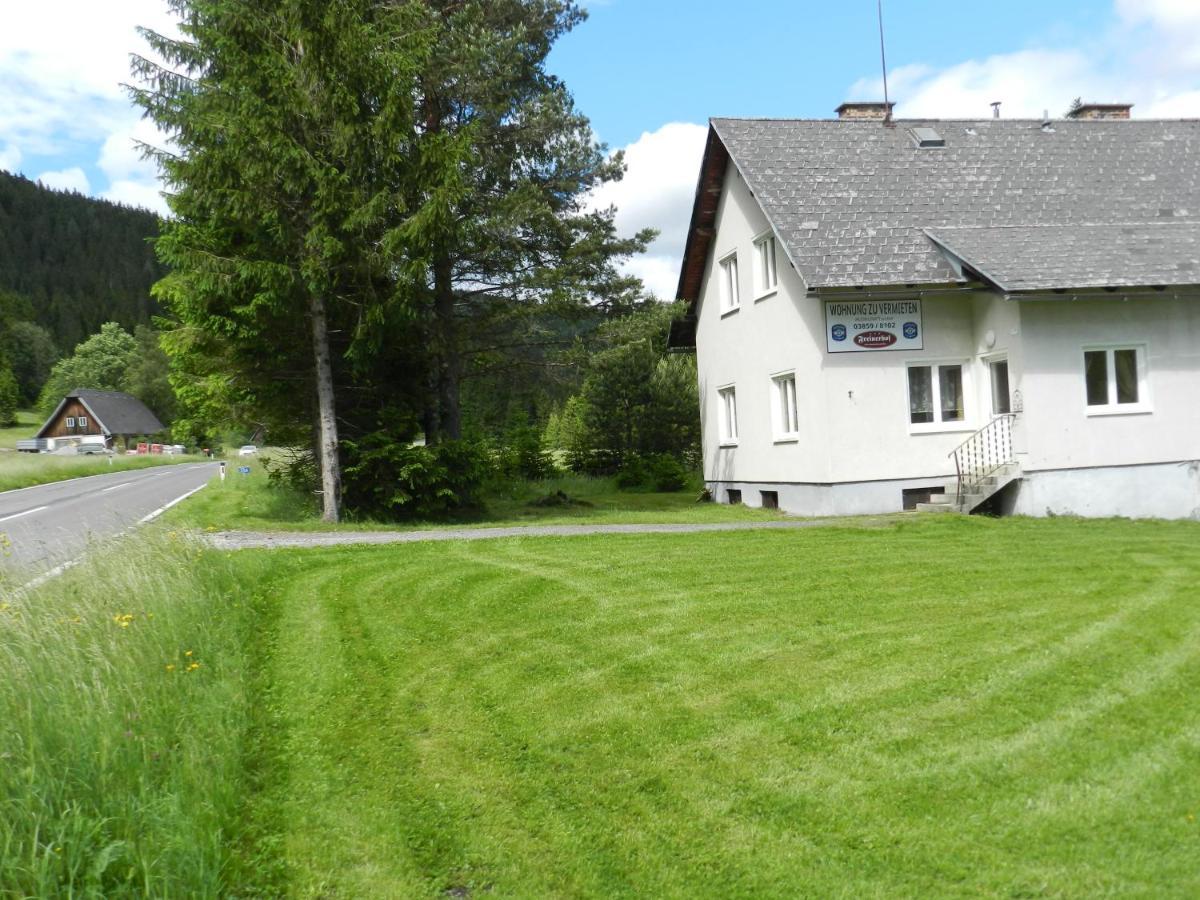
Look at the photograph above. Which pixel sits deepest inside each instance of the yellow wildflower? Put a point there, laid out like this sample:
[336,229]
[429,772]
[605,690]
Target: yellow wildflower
[193,667]
[187,652]
[170,667]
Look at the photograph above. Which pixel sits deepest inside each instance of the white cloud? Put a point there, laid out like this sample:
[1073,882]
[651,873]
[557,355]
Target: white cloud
[74,179]
[657,192]
[137,193]
[1147,53]
[10,158]
[63,63]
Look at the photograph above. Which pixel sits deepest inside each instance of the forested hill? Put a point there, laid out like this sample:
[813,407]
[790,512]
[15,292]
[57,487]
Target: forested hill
[78,262]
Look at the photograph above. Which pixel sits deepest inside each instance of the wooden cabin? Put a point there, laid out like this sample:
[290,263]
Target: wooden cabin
[98,417]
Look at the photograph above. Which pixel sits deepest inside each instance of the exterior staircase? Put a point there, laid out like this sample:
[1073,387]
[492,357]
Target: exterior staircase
[984,464]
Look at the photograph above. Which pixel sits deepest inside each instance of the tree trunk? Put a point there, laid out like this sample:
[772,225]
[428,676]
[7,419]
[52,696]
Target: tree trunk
[327,437]
[449,360]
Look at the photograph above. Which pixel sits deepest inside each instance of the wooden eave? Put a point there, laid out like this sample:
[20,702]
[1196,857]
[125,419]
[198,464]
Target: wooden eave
[704,217]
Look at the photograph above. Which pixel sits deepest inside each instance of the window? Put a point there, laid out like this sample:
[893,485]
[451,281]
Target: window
[1115,379]
[728,412]
[786,421]
[83,421]
[770,499]
[935,394]
[733,496]
[1001,398]
[730,298]
[766,276]
[70,421]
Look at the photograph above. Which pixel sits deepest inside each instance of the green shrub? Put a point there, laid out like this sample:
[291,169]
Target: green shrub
[525,456]
[633,474]
[668,474]
[660,472]
[390,479]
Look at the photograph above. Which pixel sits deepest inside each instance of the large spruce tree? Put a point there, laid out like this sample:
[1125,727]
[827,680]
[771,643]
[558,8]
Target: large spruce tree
[506,167]
[288,119]
[369,194]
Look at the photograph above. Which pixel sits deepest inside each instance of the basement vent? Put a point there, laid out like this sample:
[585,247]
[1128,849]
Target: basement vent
[927,137]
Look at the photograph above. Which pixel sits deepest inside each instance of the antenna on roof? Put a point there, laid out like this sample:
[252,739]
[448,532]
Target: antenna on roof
[887,107]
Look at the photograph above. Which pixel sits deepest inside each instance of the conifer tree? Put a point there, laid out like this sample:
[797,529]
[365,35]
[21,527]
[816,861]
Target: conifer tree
[288,117]
[506,168]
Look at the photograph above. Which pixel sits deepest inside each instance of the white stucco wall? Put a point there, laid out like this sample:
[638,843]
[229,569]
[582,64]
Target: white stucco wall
[1059,431]
[856,450]
[853,407]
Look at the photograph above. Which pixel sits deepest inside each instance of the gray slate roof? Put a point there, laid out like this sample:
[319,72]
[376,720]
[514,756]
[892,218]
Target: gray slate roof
[1058,257]
[851,200]
[120,413]
[115,412]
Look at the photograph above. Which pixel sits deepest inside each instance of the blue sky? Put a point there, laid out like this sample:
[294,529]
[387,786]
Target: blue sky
[637,64]
[649,73]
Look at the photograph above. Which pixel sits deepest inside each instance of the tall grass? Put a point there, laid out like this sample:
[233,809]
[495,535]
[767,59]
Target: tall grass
[18,470]
[123,708]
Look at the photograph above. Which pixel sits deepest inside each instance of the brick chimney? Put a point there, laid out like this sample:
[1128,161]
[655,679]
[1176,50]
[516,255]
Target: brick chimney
[1101,111]
[870,109]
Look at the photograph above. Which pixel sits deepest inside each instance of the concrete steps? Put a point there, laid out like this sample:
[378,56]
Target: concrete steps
[983,489]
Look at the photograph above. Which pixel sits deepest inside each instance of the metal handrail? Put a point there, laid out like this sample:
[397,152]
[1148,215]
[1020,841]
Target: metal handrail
[982,453]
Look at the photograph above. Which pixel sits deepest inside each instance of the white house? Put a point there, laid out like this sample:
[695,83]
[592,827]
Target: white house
[1006,310]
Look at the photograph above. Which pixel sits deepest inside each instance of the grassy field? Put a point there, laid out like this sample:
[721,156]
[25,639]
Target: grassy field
[939,707]
[18,470]
[123,711]
[28,422]
[251,503]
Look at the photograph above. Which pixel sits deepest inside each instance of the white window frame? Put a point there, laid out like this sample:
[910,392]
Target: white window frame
[988,396]
[727,415]
[939,426]
[82,420]
[784,407]
[70,421]
[730,287]
[766,267]
[1112,408]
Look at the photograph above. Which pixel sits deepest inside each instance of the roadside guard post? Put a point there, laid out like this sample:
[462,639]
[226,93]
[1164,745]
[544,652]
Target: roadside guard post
[222,470]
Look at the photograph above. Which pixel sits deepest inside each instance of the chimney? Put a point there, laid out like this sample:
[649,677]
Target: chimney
[1101,111]
[870,109]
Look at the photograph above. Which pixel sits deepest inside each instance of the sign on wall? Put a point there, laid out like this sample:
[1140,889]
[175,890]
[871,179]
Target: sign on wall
[855,326]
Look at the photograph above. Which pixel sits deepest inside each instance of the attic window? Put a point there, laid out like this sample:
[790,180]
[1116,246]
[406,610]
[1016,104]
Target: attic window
[927,137]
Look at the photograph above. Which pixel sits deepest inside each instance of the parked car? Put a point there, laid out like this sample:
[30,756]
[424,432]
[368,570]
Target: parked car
[248,450]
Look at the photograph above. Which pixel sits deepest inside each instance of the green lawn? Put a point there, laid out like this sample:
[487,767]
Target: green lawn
[937,707]
[28,422]
[251,503]
[941,708]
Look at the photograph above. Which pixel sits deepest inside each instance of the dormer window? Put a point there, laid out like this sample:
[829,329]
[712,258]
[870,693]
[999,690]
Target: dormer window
[730,298]
[766,275]
[70,421]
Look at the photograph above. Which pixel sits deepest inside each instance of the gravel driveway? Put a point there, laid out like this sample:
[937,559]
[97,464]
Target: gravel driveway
[245,540]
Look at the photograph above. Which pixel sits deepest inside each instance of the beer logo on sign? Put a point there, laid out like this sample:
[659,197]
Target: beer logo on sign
[874,339]
[910,330]
[838,332]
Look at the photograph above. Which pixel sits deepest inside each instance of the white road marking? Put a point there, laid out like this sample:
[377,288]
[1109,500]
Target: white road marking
[162,509]
[115,486]
[28,512]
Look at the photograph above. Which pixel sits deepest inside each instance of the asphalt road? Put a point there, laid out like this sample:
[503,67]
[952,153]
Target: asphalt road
[53,523]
